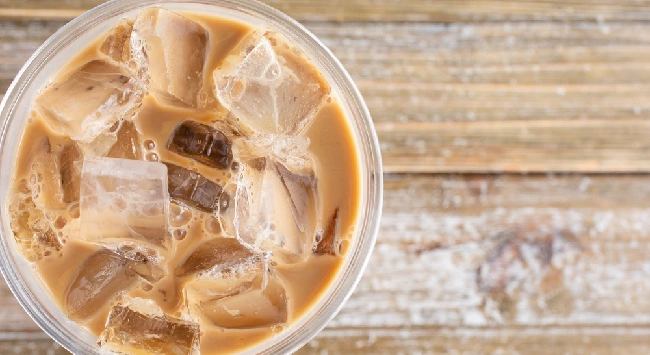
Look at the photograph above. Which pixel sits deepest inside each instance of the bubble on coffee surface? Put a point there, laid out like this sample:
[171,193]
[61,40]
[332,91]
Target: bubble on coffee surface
[149,144]
[179,234]
[151,156]
[179,215]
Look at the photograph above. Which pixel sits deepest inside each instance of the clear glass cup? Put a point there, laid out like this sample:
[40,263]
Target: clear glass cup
[77,34]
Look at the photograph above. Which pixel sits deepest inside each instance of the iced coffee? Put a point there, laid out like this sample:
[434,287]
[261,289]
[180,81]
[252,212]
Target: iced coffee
[186,184]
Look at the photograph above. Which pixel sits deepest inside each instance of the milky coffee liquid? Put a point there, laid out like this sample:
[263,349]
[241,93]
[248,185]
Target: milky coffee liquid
[146,91]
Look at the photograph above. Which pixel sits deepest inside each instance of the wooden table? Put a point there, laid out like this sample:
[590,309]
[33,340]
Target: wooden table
[516,147]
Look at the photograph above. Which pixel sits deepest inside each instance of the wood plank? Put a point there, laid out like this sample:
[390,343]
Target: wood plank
[29,343]
[561,251]
[516,146]
[475,341]
[387,10]
[429,341]
[565,260]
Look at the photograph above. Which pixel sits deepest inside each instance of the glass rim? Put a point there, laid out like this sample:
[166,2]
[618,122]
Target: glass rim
[370,161]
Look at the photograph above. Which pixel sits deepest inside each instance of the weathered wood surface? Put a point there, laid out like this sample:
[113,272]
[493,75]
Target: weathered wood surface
[389,10]
[495,263]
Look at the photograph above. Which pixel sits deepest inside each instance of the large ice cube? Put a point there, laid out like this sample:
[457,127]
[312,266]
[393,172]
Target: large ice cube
[117,43]
[239,303]
[71,160]
[276,210]
[172,51]
[201,143]
[193,189]
[123,200]
[272,88]
[90,100]
[216,252]
[101,278]
[32,231]
[132,332]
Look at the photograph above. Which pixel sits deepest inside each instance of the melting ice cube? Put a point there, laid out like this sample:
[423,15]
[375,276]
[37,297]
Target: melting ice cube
[240,303]
[123,200]
[45,178]
[89,100]
[130,331]
[71,160]
[276,210]
[33,232]
[117,43]
[172,51]
[193,189]
[119,141]
[127,144]
[272,88]
[101,278]
[291,151]
[201,143]
[216,252]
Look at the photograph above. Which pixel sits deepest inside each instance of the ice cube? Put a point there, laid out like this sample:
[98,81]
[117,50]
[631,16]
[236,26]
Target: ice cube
[327,241]
[274,88]
[291,151]
[123,200]
[260,302]
[127,145]
[90,100]
[45,178]
[276,210]
[201,143]
[133,332]
[172,51]
[121,140]
[101,278]
[71,160]
[32,231]
[100,146]
[117,44]
[193,189]
[216,252]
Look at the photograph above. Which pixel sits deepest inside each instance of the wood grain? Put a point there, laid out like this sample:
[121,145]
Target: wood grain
[29,344]
[595,341]
[516,146]
[387,10]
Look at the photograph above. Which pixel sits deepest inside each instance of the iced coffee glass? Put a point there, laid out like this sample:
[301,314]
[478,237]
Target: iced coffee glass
[71,40]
